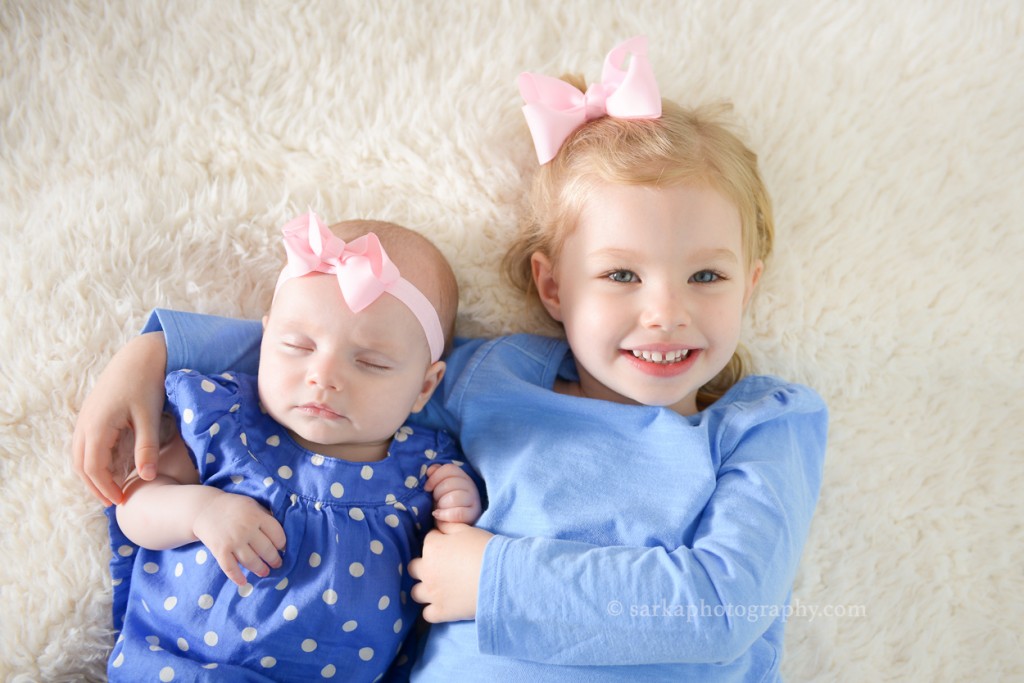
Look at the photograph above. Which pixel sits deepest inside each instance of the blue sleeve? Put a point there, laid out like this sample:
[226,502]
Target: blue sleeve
[566,602]
[207,343]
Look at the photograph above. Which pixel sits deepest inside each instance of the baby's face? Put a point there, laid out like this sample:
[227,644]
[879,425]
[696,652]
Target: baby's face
[341,382]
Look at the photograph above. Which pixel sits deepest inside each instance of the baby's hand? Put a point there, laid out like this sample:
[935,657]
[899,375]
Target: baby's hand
[456,498]
[240,531]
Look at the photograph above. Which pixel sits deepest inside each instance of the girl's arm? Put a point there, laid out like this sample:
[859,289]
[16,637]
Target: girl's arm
[174,509]
[565,602]
[129,393]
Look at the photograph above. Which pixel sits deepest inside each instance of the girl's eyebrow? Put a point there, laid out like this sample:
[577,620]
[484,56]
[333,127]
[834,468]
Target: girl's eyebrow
[709,254]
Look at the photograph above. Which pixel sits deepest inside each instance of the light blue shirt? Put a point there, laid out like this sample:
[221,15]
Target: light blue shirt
[633,543]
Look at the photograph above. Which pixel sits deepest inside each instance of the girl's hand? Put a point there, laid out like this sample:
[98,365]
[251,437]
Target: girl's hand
[240,531]
[456,498]
[129,395]
[449,572]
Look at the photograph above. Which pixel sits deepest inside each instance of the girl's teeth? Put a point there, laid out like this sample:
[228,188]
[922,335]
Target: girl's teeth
[663,358]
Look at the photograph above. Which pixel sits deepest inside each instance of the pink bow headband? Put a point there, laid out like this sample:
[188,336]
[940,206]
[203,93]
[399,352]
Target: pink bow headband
[363,268]
[555,109]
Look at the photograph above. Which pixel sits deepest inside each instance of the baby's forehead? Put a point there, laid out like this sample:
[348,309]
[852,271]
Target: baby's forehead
[312,305]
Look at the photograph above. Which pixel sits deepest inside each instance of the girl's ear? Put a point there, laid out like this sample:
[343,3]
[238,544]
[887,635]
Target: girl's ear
[546,283]
[755,274]
[431,379]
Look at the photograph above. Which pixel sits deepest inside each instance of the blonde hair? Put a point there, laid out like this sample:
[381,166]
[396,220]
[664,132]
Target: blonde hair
[683,146]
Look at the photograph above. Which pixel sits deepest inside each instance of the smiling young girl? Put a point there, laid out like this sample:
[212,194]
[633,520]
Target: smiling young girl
[647,502]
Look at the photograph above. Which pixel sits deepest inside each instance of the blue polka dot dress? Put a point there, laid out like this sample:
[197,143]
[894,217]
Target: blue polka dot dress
[338,608]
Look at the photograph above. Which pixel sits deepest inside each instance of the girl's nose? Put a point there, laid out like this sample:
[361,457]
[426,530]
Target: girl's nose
[326,374]
[665,308]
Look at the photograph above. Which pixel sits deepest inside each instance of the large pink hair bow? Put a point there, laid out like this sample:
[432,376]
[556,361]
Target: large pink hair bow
[554,108]
[363,269]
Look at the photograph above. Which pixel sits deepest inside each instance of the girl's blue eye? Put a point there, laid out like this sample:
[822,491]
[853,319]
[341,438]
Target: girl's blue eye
[705,277]
[626,276]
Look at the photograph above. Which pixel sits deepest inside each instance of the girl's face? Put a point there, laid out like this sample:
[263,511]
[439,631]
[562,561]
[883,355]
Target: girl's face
[340,382]
[651,288]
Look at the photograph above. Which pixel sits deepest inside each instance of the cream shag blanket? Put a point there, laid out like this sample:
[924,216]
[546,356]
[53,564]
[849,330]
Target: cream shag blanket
[150,151]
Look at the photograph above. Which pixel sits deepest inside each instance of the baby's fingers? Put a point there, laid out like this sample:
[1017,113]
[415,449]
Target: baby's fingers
[229,565]
[465,515]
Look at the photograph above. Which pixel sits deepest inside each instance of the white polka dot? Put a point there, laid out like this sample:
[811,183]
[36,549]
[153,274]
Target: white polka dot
[244,438]
[383,603]
[366,472]
[431,454]
[399,506]
[237,479]
[317,459]
[274,440]
[398,626]
[314,560]
[170,603]
[337,490]
[245,590]
[328,671]
[282,584]
[153,641]
[210,638]
[366,653]
[268,481]
[206,601]
[284,472]
[234,408]
[182,644]
[249,634]
[208,386]
[125,551]
[390,499]
[201,557]
[187,416]
[356,514]
[308,645]
[291,612]
[215,429]
[151,567]
[179,569]
[268,662]
[391,521]
[376,547]
[210,666]
[410,482]
[349,626]
[294,499]
[116,582]
[210,458]
[118,661]
[330,597]
[166,674]
[356,569]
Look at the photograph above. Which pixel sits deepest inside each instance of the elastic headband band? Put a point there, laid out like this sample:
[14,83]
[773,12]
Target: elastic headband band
[363,268]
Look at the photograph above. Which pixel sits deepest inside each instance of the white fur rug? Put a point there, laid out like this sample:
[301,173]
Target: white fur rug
[150,151]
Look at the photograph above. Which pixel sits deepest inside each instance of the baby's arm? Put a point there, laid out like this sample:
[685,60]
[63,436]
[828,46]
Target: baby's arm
[174,509]
[456,497]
